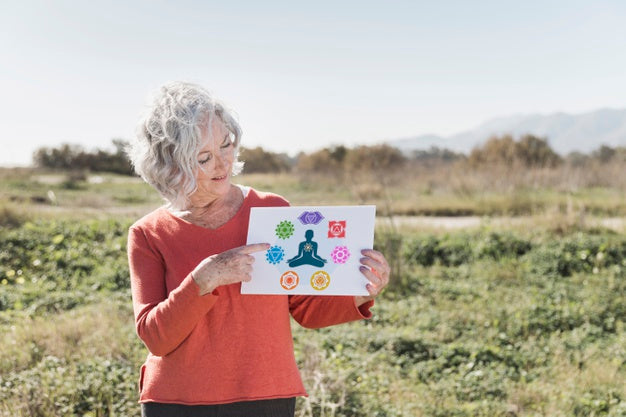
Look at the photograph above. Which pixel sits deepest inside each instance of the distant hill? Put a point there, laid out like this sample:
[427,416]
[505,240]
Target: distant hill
[565,132]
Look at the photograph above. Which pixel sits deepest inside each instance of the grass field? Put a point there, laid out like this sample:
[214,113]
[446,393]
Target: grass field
[504,318]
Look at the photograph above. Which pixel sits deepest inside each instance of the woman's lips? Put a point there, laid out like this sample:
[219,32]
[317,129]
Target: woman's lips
[220,178]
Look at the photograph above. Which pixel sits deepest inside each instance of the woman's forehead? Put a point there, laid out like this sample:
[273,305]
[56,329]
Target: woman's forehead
[215,131]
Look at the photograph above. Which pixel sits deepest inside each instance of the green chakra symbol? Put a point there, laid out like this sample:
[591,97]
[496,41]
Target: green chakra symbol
[284,229]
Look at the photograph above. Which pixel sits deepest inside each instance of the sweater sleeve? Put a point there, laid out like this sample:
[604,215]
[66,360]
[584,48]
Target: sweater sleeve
[314,312]
[163,321]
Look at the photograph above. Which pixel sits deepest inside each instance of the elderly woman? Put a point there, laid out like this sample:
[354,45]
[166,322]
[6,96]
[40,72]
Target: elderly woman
[212,350]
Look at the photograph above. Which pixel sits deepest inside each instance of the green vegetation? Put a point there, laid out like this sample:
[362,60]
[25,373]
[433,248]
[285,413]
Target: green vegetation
[520,315]
[477,323]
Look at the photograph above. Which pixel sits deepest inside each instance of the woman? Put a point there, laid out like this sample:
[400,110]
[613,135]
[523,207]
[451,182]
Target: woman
[213,351]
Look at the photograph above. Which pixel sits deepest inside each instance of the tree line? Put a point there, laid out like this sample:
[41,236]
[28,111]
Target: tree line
[76,158]
[528,151]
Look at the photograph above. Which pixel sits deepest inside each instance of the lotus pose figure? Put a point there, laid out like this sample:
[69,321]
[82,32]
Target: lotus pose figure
[307,253]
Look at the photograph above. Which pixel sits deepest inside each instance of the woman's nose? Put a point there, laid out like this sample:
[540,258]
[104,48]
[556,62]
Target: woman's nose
[220,161]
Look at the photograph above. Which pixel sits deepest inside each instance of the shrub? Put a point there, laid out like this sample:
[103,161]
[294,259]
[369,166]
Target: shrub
[10,217]
[47,266]
[577,253]
[451,250]
[55,387]
[259,160]
[498,245]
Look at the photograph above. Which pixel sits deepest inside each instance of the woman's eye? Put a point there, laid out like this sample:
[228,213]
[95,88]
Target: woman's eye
[226,143]
[204,161]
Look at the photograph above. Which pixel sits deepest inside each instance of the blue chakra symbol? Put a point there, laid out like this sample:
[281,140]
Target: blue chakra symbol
[311,217]
[275,254]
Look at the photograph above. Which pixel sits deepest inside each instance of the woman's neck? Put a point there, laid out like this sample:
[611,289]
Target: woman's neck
[214,213]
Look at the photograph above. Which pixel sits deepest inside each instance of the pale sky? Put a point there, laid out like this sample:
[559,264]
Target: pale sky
[303,75]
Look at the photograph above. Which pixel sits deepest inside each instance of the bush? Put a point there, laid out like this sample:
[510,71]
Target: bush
[55,387]
[74,157]
[47,266]
[577,253]
[258,160]
[498,245]
[530,151]
[450,250]
[11,217]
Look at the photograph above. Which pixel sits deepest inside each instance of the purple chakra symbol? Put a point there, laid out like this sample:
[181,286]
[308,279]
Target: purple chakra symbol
[340,254]
[311,217]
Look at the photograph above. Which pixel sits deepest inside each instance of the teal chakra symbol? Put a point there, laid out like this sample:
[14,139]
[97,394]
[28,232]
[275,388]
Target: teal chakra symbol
[275,254]
[284,230]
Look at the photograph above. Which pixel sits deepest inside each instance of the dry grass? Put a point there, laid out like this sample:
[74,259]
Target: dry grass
[567,384]
[97,330]
[416,190]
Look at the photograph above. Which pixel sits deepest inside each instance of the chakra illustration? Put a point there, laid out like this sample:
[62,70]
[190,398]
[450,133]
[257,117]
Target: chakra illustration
[307,253]
[337,228]
[289,280]
[340,254]
[311,217]
[284,230]
[275,254]
[320,280]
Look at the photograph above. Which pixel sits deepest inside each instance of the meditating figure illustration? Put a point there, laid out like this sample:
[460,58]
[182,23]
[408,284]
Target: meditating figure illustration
[307,253]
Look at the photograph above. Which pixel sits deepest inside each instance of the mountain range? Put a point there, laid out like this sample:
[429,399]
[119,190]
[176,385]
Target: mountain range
[565,132]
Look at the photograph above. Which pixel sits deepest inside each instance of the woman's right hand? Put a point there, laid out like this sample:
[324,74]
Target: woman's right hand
[229,267]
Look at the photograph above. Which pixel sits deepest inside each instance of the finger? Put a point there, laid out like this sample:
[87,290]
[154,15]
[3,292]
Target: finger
[373,278]
[384,269]
[373,264]
[380,270]
[252,248]
[370,289]
[241,274]
[375,255]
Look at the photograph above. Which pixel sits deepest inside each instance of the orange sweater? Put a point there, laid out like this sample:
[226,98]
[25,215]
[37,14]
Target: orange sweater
[224,346]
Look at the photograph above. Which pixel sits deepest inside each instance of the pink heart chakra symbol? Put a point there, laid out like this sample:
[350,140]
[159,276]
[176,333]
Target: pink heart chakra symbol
[311,217]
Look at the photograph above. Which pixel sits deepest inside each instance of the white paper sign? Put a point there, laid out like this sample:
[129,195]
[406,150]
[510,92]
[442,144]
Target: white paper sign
[314,250]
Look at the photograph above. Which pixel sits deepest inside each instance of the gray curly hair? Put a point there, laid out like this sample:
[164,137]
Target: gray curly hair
[169,136]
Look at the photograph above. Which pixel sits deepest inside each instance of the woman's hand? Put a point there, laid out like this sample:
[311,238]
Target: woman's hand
[229,267]
[377,274]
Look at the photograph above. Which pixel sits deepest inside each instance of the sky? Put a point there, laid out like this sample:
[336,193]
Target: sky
[303,75]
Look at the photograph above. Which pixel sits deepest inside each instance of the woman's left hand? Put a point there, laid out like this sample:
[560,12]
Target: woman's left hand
[377,274]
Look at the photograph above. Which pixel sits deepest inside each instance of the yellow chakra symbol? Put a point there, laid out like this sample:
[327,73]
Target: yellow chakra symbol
[320,280]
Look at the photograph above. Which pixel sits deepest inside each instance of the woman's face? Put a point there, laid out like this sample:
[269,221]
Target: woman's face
[215,161]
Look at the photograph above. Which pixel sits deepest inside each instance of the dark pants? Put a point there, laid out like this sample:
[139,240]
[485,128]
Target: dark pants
[284,407]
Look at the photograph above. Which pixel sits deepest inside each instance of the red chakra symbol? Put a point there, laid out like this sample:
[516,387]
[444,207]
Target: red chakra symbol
[337,228]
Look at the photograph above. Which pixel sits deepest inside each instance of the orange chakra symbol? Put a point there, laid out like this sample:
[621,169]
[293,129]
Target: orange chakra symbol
[320,280]
[289,280]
